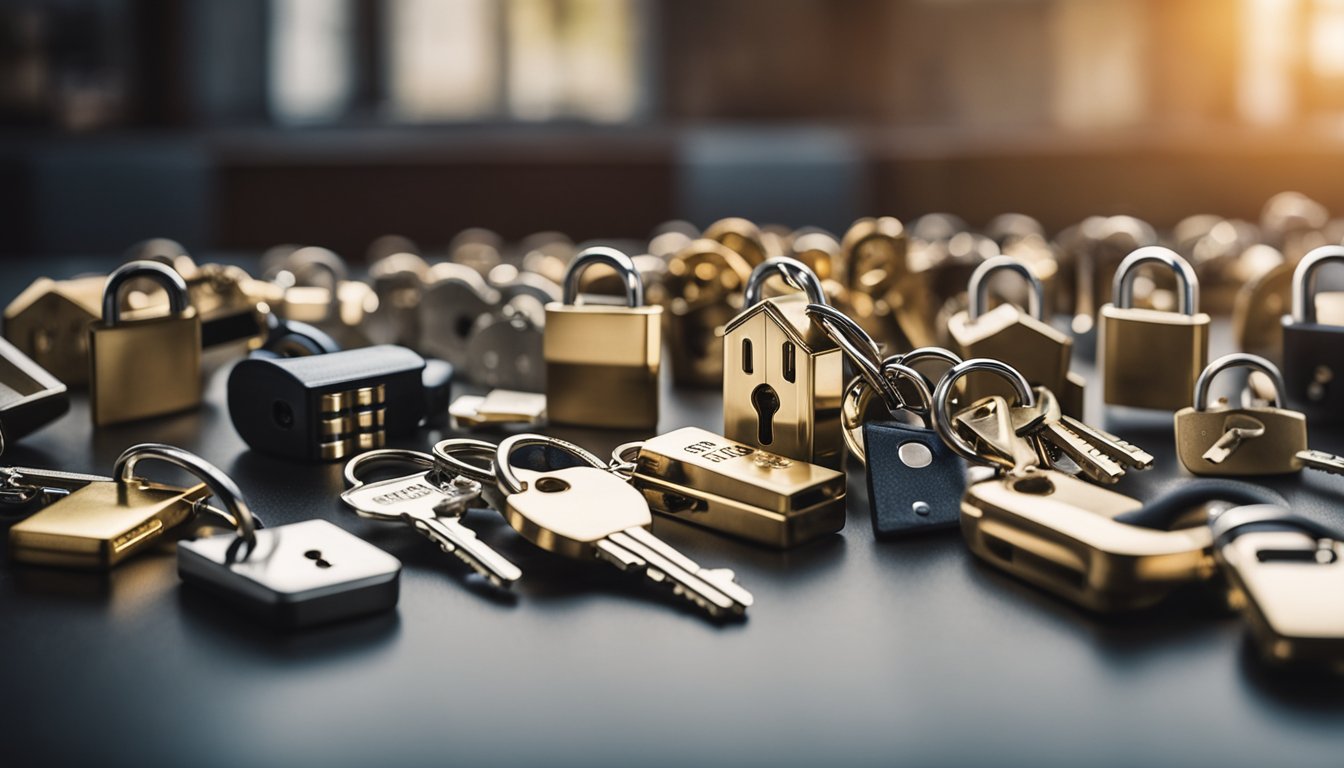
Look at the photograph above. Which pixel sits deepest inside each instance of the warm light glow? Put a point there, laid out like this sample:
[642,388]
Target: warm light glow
[1265,87]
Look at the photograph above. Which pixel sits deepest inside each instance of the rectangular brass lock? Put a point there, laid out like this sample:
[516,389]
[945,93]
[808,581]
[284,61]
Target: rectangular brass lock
[602,361]
[698,477]
[102,523]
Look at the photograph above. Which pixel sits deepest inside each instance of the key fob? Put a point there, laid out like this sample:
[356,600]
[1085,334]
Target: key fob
[298,575]
[915,482]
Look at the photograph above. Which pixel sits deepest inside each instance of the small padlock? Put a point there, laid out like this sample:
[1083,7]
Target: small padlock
[149,367]
[1313,359]
[1022,339]
[602,361]
[1150,358]
[1266,438]
[885,296]
[455,301]
[49,321]
[704,285]
[782,374]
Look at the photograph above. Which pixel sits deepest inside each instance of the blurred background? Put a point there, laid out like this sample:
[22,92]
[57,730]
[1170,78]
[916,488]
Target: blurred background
[239,125]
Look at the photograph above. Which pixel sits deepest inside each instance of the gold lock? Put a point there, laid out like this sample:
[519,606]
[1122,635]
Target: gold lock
[1023,340]
[741,237]
[148,367]
[602,361]
[50,321]
[696,476]
[884,295]
[782,374]
[704,292]
[1262,440]
[105,521]
[1149,358]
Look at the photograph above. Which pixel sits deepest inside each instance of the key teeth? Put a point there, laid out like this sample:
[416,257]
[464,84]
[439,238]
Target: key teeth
[480,568]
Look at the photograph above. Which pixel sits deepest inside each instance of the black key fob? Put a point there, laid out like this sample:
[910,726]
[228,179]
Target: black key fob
[915,482]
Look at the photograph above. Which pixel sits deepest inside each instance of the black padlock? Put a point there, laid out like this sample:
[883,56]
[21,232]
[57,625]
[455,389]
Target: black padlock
[1313,352]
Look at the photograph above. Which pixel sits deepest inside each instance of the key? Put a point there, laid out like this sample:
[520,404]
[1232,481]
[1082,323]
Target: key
[988,423]
[431,507]
[588,512]
[1044,423]
[21,486]
[1236,429]
[1321,461]
[1122,451]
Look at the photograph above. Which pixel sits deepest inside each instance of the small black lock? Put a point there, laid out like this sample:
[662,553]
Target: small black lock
[915,482]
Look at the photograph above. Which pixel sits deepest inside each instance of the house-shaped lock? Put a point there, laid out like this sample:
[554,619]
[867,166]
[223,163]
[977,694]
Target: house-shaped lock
[50,321]
[782,375]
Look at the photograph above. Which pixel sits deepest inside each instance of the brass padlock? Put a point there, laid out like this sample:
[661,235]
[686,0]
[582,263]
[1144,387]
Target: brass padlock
[148,367]
[740,236]
[49,321]
[884,295]
[782,374]
[1023,340]
[602,361]
[704,283]
[1313,359]
[1149,358]
[1231,441]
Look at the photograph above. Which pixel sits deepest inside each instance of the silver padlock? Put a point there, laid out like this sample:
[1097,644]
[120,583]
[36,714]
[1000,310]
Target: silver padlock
[455,299]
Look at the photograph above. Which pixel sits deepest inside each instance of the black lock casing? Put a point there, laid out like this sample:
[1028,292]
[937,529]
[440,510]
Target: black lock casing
[1308,347]
[894,487]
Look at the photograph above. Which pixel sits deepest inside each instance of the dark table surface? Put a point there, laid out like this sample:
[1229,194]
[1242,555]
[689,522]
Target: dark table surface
[856,652]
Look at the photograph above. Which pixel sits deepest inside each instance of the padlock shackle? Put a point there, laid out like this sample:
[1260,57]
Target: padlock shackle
[1122,289]
[857,345]
[221,486]
[1231,523]
[942,399]
[164,275]
[598,254]
[504,474]
[978,288]
[1304,278]
[794,272]
[1238,360]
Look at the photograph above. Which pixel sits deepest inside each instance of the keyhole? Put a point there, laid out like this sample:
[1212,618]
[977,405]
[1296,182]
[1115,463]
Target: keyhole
[316,556]
[463,326]
[766,403]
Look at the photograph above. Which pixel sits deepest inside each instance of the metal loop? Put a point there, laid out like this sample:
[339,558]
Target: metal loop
[1238,360]
[165,276]
[625,457]
[1230,523]
[794,272]
[448,457]
[942,396]
[1122,289]
[624,266]
[509,482]
[221,486]
[978,288]
[1304,304]
[858,346]
[384,456]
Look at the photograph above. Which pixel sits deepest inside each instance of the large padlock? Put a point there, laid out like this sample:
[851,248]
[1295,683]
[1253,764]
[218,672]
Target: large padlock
[1235,441]
[145,367]
[602,360]
[1313,352]
[704,285]
[1150,358]
[1024,340]
[782,374]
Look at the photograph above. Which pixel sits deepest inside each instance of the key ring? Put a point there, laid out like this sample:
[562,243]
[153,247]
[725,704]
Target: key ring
[942,420]
[236,510]
[858,394]
[385,456]
[913,358]
[624,458]
[509,482]
[858,346]
[447,455]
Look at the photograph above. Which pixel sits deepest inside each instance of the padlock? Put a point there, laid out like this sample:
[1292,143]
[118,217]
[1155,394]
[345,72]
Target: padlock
[602,361]
[782,374]
[144,368]
[1149,358]
[740,236]
[316,291]
[49,321]
[455,300]
[883,294]
[1268,437]
[1022,339]
[1313,352]
[704,284]
[399,283]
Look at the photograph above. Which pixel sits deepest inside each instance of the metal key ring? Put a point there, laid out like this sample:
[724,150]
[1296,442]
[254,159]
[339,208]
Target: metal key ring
[1238,360]
[624,458]
[221,486]
[858,393]
[858,346]
[509,482]
[384,456]
[448,457]
[942,420]
[913,358]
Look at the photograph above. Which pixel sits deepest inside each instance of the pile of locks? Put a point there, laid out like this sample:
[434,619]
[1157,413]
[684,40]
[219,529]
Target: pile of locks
[960,404]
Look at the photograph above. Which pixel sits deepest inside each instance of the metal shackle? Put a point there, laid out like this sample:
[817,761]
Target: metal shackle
[942,397]
[978,287]
[221,485]
[165,276]
[624,266]
[794,272]
[1238,360]
[857,345]
[504,474]
[1122,290]
[1304,277]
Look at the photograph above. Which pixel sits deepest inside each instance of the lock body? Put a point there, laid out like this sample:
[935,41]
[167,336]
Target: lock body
[695,342]
[298,575]
[144,368]
[1149,358]
[49,321]
[102,523]
[782,383]
[698,477]
[915,482]
[1273,453]
[1313,362]
[602,365]
[1037,350]
[30,397]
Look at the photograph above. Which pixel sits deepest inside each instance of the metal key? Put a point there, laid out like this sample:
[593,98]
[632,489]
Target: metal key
[989,423]
[1237,428]
[431,506]
[1321,461]
[20,486]
[589,512]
